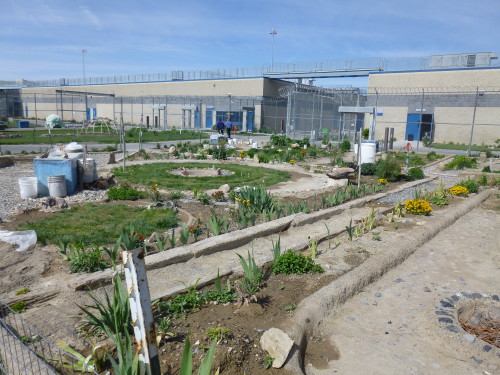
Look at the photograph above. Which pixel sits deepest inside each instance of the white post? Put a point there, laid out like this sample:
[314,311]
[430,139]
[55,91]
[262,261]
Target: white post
[140,309]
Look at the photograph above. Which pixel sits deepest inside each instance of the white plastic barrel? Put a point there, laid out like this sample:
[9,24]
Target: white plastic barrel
[28,187]
[368,151]
[57,186]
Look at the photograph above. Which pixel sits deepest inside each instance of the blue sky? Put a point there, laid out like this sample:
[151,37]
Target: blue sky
[42,39]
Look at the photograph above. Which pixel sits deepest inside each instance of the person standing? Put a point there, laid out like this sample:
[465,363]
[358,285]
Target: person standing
[220,127]
[228,126]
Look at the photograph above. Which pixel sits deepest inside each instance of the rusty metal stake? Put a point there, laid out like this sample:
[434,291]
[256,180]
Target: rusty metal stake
[140,308]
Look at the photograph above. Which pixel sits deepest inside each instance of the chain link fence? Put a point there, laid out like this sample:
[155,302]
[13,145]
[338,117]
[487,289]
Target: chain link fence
[24,351]
[443,115]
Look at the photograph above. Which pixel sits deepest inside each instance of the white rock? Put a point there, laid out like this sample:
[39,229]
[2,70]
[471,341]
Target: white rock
[225,188]
[277,344]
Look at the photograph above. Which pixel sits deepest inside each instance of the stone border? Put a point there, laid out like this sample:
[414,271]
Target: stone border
[326,301]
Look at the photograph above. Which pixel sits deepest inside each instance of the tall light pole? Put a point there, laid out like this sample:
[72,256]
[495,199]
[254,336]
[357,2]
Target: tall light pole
[229,114]
[273,32]
[83,51]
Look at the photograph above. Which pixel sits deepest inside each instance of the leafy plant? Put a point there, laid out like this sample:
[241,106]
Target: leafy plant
[276,248]
[154,193]
[19,306]
[22,291]
[268,361]
[256,198]
[128,362]
[218,224]
[218,196]
[345,146]
[368,169]
[163,329]
[182,304]
[161,244]
[177,194]
[185,233]
[204,198]
[220,294]
[470,184]
[313,247]
[187,360]
[415,174]
[217,333]
[461,162]
[290,308]
[93,362]
[253,276]
[112,315]
[125,193]
[431,156]
[172,240]
[292,263]
[86,259]
[389,168]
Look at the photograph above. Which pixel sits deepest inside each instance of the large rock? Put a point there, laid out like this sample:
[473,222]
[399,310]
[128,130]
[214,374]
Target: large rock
[277,344]
[338,173]
[225,188]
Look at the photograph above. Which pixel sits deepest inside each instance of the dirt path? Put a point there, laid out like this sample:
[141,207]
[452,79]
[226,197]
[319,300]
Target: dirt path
[406,323]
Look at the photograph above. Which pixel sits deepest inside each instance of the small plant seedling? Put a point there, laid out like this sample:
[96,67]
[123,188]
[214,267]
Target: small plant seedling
[290,308]
[268,362]
[282,287]
[217,333]
[313,246]
[395,225]
[19,306]
[22,291]
[376,236]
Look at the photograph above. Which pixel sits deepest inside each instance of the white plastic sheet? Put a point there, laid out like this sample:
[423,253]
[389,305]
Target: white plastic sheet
[24,239]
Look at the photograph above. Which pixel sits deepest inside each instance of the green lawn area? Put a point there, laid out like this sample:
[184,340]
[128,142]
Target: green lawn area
[158,173]
[75,135]
[447,146]
[100,224]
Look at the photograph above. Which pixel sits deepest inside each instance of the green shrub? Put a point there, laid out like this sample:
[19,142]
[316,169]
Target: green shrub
[175,195]
[292,263]
[415,174]
[461,162]
[125,193]
[280,140]
[204,198]
[389,168]
[470,184]
[257,198]
[365,133]
[252,152]
[263,158]
[345,146]
[431,156]
[482,180]
[486,169]
[427,141]
[368,169]
[86,259]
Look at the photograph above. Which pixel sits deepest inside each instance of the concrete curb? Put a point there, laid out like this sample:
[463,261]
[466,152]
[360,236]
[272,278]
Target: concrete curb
[326,301]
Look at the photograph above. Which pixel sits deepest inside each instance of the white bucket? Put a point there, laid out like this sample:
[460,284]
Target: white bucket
[89,171]
[28,187]
[368,151]
[57,186]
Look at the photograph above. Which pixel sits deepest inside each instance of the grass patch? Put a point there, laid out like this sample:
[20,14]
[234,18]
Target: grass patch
[158,173]
[74,135]
[446,146]
[79,224]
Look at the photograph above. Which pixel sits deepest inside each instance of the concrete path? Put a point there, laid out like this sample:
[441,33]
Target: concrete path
[406,322]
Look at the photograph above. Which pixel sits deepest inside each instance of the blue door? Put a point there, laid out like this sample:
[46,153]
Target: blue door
[197,119]
[412,127]
[88,114]
[250,120]
[208,119]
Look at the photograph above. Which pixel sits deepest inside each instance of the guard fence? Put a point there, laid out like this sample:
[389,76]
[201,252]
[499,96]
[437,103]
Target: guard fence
[23,350]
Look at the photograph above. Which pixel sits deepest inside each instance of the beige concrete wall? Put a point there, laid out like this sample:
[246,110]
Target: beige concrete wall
[394,117]
[437,79]
[46,103]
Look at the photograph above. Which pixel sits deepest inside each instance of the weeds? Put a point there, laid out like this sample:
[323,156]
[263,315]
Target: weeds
[19,307]
[292,263]
[219,294]
[253,276]
[22,291]
[217,333]
[182,304]
[218,225]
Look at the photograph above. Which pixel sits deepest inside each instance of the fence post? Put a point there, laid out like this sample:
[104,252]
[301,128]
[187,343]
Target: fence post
[140,308]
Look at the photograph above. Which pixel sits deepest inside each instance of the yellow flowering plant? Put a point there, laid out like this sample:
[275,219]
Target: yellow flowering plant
[418,207]
[459,190]
[292,161]
[382,181]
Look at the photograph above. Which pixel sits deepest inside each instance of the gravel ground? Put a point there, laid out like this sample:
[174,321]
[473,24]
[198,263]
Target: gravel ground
[10,198]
